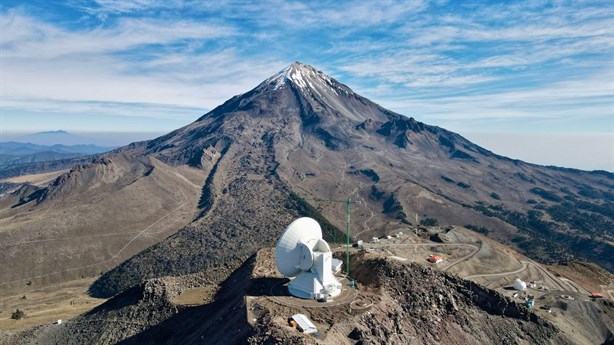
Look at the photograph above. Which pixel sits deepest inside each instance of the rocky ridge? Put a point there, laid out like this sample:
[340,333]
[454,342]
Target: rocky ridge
[412,304]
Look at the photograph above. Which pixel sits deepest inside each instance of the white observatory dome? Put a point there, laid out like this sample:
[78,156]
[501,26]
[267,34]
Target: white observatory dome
[302,253]
[519,285]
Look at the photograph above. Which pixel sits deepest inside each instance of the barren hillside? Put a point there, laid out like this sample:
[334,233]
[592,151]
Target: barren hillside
[91,218]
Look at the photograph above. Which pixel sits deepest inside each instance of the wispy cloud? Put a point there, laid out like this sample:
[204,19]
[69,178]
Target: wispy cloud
[439,61]
[125,69]
[582,98]
[26,37]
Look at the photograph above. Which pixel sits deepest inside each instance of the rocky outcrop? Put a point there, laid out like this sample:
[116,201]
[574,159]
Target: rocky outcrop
[123,316]
[424,306]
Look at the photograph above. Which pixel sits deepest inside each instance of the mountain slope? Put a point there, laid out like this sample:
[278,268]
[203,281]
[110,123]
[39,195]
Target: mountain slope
[301,131]
[90,219]
[277,152]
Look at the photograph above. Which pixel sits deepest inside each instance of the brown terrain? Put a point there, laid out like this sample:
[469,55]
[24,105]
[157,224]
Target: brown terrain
[91,218]
[400,299]
[189,209]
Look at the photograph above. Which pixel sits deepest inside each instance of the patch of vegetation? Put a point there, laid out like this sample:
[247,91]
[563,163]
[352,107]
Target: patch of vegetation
[592,193]
[370,173]
[495,196]
[591,223]
[216,247]
[524,177]
[536,233]
[480,229]
[605,209]
[589,192]
[376,194]
[546,194]
[569,198]
[18,314]
[8,186]
[462,155]
[394,207]
[463,185]
[429,222]
[447,179]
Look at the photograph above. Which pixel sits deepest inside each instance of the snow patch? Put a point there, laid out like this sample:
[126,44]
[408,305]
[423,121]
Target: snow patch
[306,77]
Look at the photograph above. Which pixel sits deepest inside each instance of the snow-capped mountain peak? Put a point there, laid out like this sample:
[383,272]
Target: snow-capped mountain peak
[303,76]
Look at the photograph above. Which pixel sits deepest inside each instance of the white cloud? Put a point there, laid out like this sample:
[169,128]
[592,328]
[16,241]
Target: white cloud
[426,62]
[588,97]
[103,8]
[317,15]
[26,37]
[97,109]
[177,82]
[45,67]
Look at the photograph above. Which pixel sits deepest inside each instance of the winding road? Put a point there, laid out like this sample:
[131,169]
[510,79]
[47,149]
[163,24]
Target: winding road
[475,248]
[525,265]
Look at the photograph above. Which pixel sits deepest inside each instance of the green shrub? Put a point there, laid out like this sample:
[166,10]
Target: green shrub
[480,229]
[18,314]
[429,222]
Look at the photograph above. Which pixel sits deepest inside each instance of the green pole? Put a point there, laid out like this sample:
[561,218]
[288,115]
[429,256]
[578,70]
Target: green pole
[347,248]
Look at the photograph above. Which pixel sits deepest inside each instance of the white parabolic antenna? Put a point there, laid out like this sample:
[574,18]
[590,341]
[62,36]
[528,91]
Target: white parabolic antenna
[302,253]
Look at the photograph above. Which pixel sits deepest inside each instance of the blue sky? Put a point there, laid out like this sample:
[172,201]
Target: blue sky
[496,72]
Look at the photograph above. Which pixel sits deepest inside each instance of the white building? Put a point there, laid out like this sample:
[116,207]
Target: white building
[519,285]
[304,324]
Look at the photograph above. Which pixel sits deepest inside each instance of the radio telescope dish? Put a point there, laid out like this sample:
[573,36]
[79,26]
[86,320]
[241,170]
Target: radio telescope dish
[302,253]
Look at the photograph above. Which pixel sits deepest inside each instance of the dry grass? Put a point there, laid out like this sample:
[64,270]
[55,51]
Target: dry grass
[36,179]
[588,275]
[196,296]
[63,301]
[91,222]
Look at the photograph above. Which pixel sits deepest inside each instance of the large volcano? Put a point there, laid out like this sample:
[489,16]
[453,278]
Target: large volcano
[287,148]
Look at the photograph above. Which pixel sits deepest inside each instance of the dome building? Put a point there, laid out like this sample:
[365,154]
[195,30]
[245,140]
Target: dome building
[519,285]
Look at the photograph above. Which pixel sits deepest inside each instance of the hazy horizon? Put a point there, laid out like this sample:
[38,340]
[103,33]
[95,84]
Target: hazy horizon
[568,148]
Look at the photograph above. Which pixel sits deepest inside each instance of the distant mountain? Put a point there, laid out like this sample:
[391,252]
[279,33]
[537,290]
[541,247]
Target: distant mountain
[46,156]
[13,153]
[18,148]
[59,137]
